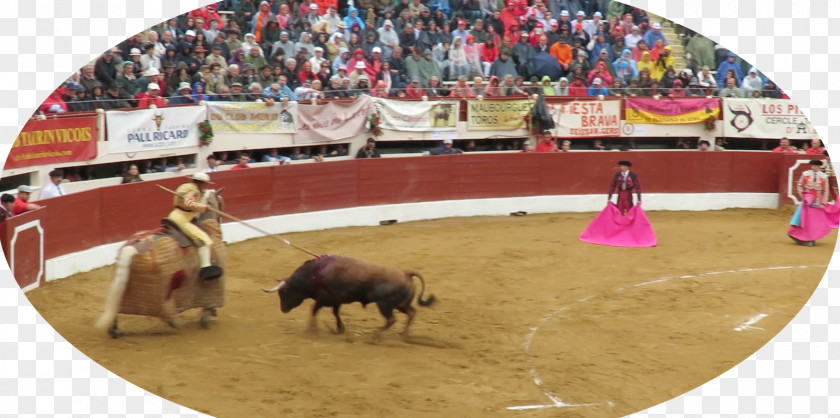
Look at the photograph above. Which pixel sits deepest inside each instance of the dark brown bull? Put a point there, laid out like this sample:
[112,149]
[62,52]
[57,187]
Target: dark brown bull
[334,280]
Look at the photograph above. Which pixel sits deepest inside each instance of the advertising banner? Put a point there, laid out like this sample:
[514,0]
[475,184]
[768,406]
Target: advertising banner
[492,115]
[670,111]
[402,115]
[54,141]
[251,117]
[765,118]
[153,129]
[332,121]
[580,118]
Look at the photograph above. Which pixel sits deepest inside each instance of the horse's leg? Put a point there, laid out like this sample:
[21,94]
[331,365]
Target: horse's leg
[173,322]
[114,332]
[206,314]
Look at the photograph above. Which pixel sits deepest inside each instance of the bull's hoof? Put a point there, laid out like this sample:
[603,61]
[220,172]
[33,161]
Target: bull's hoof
[213,312]
[338,331]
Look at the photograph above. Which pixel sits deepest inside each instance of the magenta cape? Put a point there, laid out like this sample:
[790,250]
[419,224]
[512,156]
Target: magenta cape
[812,224]
[610,228]
[832,212]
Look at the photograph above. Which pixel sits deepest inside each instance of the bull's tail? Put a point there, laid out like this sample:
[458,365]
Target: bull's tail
[115,294]
[428,301]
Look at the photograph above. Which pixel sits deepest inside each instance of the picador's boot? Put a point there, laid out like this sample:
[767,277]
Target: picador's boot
[208,271]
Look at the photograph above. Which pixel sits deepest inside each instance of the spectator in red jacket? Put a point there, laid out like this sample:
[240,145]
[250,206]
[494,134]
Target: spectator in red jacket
[152,97]
[578,87]
[414,89]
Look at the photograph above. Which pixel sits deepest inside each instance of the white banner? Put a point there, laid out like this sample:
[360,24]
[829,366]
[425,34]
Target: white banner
[252,117]
[332,121]
[765,118]
[401,115]
[153,129]
[587,118]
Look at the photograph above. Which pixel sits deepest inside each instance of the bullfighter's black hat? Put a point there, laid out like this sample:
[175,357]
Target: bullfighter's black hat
[625,163]
[815,162]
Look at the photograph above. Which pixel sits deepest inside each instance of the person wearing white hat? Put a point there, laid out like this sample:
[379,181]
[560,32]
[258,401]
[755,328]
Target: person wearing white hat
[22,203]
[313,16]
[358,70]
[187,204]
[592,26]
[317,58]
[653,34]
[183,95]
[152,97]
[446,148]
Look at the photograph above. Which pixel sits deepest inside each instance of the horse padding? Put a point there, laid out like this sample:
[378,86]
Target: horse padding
[153,288]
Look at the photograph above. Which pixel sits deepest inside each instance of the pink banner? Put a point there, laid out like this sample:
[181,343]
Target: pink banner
[333,121]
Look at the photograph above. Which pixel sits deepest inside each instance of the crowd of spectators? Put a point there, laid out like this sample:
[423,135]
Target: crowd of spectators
[244,50]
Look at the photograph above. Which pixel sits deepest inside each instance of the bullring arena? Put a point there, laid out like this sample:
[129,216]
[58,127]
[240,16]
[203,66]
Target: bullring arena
[530,321]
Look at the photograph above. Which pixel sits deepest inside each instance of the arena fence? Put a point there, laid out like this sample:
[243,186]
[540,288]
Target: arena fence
[81,231]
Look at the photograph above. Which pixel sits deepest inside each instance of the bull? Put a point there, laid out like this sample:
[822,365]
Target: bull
[334,280]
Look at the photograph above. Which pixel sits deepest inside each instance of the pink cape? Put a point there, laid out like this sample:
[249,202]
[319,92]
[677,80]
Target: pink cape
[832,212]
[610,228]
[814,222]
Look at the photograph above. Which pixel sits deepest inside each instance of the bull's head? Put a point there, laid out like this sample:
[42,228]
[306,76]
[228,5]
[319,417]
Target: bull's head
[289,298]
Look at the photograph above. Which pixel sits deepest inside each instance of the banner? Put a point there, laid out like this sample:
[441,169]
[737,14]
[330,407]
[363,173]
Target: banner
[153,129]
[54,141]
[765,118]
[670,111]
[491,115]
[252,117]
[332,121]
[587,118]
[402,115]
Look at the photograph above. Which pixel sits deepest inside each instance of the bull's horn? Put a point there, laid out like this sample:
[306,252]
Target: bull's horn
[275,288]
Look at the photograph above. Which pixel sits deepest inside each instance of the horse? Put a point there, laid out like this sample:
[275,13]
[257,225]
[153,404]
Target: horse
[157,273]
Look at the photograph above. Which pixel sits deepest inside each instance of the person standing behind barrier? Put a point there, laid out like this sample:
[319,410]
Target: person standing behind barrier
[132,175]
[546,142]
[369,150]
[7,202]
[784,146]
[244,159]
[187,204]
[626,182]
[213,164]
[22,203]
[810,223]
[53,189]
[445,149]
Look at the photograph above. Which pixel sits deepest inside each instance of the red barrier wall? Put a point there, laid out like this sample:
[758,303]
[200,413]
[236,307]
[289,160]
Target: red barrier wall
[83,220]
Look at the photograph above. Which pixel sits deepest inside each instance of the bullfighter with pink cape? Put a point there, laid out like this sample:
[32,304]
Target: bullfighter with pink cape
[832,211]
[623,224]
[810,221]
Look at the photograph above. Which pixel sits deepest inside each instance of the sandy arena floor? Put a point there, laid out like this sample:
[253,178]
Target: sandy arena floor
[518,297]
